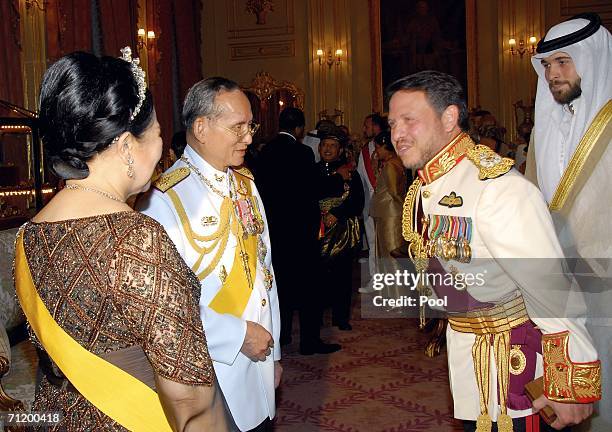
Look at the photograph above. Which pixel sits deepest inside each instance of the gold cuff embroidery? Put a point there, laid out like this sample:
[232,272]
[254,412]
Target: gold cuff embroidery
[564,380]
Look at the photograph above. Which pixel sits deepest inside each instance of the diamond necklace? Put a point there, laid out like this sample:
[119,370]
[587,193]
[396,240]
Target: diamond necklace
[108,195]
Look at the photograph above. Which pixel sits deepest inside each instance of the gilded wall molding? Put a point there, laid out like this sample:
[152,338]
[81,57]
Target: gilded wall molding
[262,50]
[264,85]
[279,22]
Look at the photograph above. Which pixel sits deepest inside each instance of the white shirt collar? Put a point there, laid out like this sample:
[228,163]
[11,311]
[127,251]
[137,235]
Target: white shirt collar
[573,106]
[287,133]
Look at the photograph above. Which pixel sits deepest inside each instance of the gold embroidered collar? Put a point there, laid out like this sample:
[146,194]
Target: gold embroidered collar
[447,158]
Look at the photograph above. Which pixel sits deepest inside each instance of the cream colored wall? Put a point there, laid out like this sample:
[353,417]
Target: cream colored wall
[285,47]
[504,79]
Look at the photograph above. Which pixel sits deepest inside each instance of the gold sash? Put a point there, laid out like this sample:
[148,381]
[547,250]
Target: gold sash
[587,154]
[119,395]
[235,291]
[234,294]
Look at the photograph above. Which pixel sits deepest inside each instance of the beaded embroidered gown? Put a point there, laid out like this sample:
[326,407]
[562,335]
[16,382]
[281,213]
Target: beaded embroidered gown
[112,282]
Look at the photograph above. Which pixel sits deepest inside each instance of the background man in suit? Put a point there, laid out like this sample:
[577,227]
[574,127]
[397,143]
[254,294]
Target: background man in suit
[287,181]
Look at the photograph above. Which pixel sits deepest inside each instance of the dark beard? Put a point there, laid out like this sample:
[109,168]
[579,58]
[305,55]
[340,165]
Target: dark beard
[568,96]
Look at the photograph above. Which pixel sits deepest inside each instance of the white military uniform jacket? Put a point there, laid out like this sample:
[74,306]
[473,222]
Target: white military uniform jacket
[247,386]
[509,220]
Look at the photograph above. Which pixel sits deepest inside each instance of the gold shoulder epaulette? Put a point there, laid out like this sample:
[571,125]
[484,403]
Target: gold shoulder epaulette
[490,164]
[169,180]
[245,172]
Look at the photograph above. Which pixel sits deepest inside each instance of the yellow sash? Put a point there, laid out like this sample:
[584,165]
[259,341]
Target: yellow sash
[235,292]
[119,395]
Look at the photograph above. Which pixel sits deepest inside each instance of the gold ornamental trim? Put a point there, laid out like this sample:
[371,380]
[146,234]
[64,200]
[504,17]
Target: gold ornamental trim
[564,380]
[219,238]
[416,241]
[447,158]
[581,155]
[490,165]
[169,180]
[263,86]
[245,172]
[497,319]
[518,361]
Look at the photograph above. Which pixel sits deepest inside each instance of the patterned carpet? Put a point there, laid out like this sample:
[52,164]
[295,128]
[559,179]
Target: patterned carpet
[379,381]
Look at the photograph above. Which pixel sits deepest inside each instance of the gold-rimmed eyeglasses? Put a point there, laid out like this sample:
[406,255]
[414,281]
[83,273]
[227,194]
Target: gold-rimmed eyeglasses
[241,130]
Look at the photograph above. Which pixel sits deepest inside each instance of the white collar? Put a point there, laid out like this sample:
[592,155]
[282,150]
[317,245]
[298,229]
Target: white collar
[287,133]
[219,178]
[572,107]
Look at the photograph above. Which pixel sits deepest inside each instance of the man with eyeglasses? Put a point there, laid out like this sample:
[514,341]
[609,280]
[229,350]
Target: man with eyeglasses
[214,214]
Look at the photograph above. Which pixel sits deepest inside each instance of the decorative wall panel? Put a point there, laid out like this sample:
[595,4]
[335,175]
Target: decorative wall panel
[244,24]
[255,50]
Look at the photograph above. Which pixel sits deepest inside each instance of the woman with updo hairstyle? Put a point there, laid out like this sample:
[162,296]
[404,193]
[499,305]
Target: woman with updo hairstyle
[386,210]
[112,307]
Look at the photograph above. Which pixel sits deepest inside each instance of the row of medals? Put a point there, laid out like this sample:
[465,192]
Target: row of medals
[448,248]
[252,224]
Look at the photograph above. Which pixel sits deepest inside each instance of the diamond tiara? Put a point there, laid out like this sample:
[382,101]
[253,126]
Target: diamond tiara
[139,76]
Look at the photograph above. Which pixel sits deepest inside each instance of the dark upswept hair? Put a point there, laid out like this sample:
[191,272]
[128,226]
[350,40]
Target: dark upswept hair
[85,103]
[384,139]
[291,118]
[200,99]
[442,90]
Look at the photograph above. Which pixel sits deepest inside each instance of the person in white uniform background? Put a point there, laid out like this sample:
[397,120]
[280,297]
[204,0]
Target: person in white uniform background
[214,215]
[570,158]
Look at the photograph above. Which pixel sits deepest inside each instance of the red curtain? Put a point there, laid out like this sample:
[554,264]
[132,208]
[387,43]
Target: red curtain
[187,19]
[118,25]
[179,20]
[11,88]
[159,19]
[68,27]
